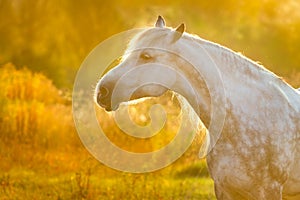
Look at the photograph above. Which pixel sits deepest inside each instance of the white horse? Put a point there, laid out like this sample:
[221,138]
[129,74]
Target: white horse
[258,153]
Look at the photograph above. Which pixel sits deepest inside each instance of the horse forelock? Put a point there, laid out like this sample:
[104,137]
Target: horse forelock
[149,38]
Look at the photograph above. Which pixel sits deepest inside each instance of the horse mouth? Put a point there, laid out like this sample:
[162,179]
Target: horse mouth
[107,107]
[110,108]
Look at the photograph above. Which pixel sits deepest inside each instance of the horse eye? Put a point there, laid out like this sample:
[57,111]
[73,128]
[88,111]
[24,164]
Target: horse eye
[145,56]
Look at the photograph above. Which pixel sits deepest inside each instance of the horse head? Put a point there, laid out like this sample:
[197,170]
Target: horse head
[153,63]
[145,49]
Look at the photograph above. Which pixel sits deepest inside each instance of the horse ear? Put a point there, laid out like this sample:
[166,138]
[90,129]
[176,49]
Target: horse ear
[178,32]
[160,22]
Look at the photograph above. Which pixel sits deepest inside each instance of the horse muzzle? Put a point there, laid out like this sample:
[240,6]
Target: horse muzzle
[103,97]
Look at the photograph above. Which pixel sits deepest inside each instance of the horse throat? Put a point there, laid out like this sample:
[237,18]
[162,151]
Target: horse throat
[195,93]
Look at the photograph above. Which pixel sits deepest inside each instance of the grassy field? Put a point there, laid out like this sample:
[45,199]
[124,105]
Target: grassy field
[29,184]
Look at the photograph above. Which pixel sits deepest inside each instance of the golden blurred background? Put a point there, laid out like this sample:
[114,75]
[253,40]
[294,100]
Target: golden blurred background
[42,44]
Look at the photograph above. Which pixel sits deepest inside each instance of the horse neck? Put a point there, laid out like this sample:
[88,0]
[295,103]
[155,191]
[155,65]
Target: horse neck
[235,72]
[191,91]
[247,83]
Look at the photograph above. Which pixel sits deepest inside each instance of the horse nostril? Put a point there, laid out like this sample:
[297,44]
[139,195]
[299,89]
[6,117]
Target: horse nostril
[103,91]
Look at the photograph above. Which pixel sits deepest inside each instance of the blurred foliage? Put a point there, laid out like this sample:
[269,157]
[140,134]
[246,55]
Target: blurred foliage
[42,157]
[35,117]
[54,37]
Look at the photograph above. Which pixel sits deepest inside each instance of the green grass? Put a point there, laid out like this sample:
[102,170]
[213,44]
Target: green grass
[27,184]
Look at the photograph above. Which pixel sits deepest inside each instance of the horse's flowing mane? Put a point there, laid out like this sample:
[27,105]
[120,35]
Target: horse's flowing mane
[248,68]
[228,54]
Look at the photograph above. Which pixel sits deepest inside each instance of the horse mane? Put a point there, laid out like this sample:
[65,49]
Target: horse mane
[228,54]
[248,66]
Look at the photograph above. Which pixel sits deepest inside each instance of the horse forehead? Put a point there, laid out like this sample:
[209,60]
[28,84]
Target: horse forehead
[150,38]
